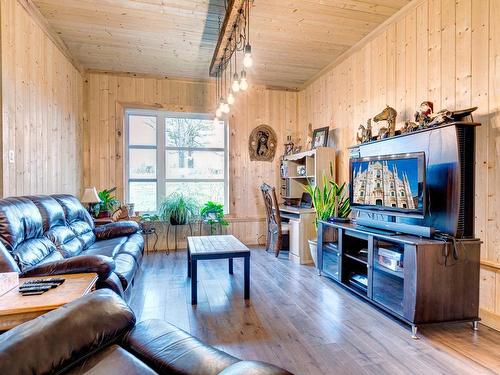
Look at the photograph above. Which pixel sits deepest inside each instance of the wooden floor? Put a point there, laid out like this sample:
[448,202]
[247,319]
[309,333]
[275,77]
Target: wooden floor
[302,322]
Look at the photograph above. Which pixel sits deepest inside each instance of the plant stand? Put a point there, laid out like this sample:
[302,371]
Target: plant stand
[175,235]
[147,233]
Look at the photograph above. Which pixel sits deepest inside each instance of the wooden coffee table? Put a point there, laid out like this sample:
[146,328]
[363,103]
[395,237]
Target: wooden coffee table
[215,247]
[16,309]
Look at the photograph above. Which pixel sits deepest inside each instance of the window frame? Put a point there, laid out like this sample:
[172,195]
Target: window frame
[161,179]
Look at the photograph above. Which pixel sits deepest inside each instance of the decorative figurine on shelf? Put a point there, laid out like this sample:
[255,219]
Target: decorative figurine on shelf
[309,139]
[297,149]
[364,134]
[388,114]
[262,143]
[422,118]
[289,145]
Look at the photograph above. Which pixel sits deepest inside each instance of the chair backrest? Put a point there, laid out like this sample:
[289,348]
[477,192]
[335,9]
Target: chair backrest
[270,200]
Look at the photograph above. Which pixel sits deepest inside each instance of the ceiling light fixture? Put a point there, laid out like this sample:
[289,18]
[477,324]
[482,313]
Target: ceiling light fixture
[234,37]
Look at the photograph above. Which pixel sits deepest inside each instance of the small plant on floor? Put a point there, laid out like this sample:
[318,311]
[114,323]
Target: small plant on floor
[213,213]
[178,209]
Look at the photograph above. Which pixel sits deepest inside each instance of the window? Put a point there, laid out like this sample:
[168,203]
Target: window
[174,152]
[392,194]
[402,193]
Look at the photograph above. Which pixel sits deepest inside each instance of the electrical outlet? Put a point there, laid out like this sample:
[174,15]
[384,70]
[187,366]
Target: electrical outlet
[11,156]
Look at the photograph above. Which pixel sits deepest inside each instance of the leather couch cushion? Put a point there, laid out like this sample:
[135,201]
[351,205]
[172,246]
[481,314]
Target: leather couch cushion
[125,268]
[111,360]
[58,338]
[77,218]
[106,247]
[162,345]
[125,251]
[51,211]
[20,220]
[55,228]
[21,232]
[118,229]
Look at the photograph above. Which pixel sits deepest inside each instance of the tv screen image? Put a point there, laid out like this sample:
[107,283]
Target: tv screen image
[392,182]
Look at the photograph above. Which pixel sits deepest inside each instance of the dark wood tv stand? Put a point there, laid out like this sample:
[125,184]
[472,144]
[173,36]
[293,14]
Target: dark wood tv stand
[430,287]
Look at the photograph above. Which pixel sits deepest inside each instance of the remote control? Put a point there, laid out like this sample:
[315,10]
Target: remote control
[34,293]
[51,285]
[34,288]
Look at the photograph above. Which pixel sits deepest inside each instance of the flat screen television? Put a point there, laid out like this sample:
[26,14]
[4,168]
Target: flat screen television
[391,183]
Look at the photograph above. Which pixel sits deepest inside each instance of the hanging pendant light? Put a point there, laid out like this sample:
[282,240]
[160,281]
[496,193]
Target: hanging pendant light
[230,98]
[243,81]
[248,60]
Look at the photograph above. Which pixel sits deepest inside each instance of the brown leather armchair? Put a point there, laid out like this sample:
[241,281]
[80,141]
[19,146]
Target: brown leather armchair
[98,334]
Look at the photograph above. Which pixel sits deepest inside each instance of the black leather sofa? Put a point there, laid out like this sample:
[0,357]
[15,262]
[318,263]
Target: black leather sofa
[98,334]
[52,235]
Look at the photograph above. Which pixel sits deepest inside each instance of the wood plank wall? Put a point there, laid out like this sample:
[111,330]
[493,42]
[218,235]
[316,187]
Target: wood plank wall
[445,51]
[42,109]
[103,144]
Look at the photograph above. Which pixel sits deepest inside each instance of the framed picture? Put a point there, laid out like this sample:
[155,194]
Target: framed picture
[320,137]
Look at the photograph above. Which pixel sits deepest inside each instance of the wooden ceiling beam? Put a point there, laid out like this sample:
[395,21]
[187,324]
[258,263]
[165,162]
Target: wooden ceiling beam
[233,8]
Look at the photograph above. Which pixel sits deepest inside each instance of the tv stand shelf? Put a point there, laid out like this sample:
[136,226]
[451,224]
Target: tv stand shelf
[406,276]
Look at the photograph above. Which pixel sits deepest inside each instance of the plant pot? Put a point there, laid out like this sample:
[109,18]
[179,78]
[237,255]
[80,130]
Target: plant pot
[103,214]
[313,247]
[174,221]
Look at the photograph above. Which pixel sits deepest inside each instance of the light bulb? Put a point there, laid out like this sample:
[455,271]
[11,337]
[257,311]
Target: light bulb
[248,60]
[230,98]
[218,112]
[216,120]
[236,83]
[226,108]
[243,84]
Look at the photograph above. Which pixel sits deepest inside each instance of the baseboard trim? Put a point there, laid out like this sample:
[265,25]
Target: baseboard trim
[490,319]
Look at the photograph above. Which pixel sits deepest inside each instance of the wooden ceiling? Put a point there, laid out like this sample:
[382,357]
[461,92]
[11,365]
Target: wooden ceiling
[292,40]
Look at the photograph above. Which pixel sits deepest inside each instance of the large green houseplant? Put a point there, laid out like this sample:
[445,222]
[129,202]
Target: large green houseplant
[330,202]
[178,209]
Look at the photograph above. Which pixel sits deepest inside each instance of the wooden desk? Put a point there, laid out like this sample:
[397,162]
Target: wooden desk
[16,309]
[302,229]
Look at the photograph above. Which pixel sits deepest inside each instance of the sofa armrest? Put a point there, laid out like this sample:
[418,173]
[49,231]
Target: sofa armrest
[254,368]
[56,340]
[168,349]
[100,264]
[118,229]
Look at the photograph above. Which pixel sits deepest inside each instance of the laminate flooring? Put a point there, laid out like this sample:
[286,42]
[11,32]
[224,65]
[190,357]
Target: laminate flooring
[301,321]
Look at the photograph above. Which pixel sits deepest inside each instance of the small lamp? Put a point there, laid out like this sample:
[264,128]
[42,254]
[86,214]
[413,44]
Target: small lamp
[90,197]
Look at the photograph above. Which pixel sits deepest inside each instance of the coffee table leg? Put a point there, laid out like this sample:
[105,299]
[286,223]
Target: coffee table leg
[194,280]
[247,277]
[230,266]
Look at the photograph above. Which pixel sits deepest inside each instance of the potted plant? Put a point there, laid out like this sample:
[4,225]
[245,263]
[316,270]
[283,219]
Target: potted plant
[147,221]
[330,202]
[107,204]
[178,209]
[212,213]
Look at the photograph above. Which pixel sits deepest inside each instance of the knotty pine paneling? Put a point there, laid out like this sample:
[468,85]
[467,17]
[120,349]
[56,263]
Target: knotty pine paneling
[42,109]
[103,144]
[445,51]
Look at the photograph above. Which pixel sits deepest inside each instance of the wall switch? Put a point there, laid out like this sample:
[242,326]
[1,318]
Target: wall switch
[11,156]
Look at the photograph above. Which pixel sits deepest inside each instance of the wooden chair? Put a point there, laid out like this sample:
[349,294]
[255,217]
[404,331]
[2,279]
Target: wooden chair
[277,232]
